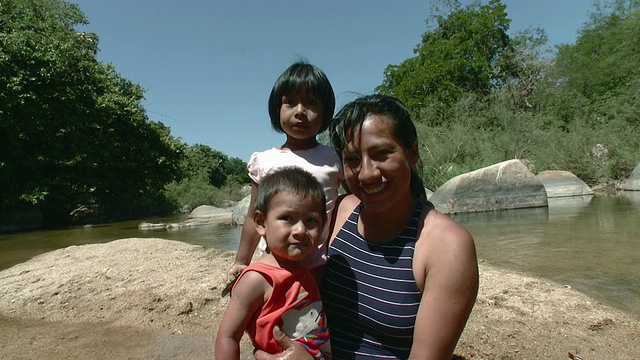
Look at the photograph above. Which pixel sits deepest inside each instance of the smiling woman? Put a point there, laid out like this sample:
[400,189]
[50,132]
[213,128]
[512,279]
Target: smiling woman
[404,247]
[415,269]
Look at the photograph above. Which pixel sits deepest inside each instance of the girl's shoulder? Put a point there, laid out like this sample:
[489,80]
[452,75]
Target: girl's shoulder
[319,160]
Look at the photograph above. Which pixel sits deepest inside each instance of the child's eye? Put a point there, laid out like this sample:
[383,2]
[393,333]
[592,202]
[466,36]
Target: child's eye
[313,222]
[286,100]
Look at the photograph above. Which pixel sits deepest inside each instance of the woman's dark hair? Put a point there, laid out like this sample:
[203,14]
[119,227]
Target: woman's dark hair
[350,118]
[290,180]
[298,76]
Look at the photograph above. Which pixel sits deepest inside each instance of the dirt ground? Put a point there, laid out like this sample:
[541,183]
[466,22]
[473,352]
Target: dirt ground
[160,299]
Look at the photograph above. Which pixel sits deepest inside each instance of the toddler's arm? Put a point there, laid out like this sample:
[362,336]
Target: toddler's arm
[247,298]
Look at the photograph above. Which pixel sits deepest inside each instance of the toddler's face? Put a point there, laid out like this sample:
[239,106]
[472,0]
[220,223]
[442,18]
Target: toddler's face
[292,227]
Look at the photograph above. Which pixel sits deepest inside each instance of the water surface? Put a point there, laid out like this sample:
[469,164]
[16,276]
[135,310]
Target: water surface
[589,243]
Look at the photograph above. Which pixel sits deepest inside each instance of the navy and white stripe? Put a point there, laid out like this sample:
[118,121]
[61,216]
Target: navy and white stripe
[369,292]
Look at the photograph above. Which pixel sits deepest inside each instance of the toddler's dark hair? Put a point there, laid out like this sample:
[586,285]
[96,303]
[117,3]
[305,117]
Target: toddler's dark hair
[291,180]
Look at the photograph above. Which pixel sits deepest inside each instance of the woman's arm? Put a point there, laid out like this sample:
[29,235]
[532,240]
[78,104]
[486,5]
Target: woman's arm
[446,270]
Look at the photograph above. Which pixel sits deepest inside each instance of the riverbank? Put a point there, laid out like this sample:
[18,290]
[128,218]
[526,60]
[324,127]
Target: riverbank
[160,299]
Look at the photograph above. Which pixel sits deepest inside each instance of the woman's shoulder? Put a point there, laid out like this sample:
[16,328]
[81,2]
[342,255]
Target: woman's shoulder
[348,202]
[437,227]
[345,204]
[442,241]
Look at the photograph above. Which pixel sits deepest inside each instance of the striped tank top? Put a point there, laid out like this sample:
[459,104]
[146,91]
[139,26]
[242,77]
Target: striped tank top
[370,294]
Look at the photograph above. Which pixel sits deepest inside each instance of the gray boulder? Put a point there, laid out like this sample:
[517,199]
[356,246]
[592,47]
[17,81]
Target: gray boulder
[208,211]
[632,196]
[428,192]
[503,186]
[240,211]
[633,182]
[560,183]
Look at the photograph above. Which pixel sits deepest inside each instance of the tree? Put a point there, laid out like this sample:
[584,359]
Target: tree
[459,54]
[203,161]
[604,61]
[236,171]
[524,66]
[74,131]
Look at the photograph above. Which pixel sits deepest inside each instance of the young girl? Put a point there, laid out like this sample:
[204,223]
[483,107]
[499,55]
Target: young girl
[301,105]
[277,290]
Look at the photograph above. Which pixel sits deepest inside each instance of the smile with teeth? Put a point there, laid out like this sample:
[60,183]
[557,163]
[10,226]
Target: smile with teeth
[372,190]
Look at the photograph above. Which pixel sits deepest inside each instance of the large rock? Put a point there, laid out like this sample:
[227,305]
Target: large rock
[633,182]
[503,186]
[208,211]
[240,211]
[560,183]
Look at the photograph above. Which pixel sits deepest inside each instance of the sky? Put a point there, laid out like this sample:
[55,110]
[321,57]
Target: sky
[208,66]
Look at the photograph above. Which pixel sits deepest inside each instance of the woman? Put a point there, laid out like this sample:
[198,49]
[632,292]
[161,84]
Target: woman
[401,278]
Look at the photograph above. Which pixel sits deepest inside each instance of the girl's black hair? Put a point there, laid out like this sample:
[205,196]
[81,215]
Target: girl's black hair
[350,118]
[298,76]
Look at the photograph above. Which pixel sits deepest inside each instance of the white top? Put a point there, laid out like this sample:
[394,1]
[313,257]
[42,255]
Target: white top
[322,162]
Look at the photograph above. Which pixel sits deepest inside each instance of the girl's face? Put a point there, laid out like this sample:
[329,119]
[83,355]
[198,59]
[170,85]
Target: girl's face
[301,116]
[377,167]
[292,227]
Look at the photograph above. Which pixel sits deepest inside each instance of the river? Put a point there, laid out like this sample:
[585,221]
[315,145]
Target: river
[589,243]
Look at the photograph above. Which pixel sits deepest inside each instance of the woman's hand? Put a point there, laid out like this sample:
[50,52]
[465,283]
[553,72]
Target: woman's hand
[291,350]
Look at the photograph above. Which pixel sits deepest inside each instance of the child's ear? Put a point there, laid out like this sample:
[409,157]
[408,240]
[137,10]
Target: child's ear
[259,221]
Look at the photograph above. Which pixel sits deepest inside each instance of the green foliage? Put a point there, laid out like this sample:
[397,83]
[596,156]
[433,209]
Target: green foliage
[458,56]
[209,178]
[74,131]
[603,63]
[480,100]
[192,192]
[203,161]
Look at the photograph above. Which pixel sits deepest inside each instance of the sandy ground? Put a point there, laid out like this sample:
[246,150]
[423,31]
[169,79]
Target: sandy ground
[160,299]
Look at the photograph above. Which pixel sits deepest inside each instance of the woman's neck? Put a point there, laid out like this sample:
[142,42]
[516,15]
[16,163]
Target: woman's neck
[386,226]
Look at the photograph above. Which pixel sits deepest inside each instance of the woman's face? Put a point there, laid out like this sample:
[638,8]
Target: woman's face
[377,167]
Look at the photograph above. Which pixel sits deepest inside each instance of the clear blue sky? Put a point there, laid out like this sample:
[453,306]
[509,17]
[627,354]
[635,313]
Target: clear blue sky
[208,66]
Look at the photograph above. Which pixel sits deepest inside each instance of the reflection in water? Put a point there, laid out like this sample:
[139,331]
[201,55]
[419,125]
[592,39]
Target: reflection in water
[633,197]
[571,206]
[591,243]
[16,248]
